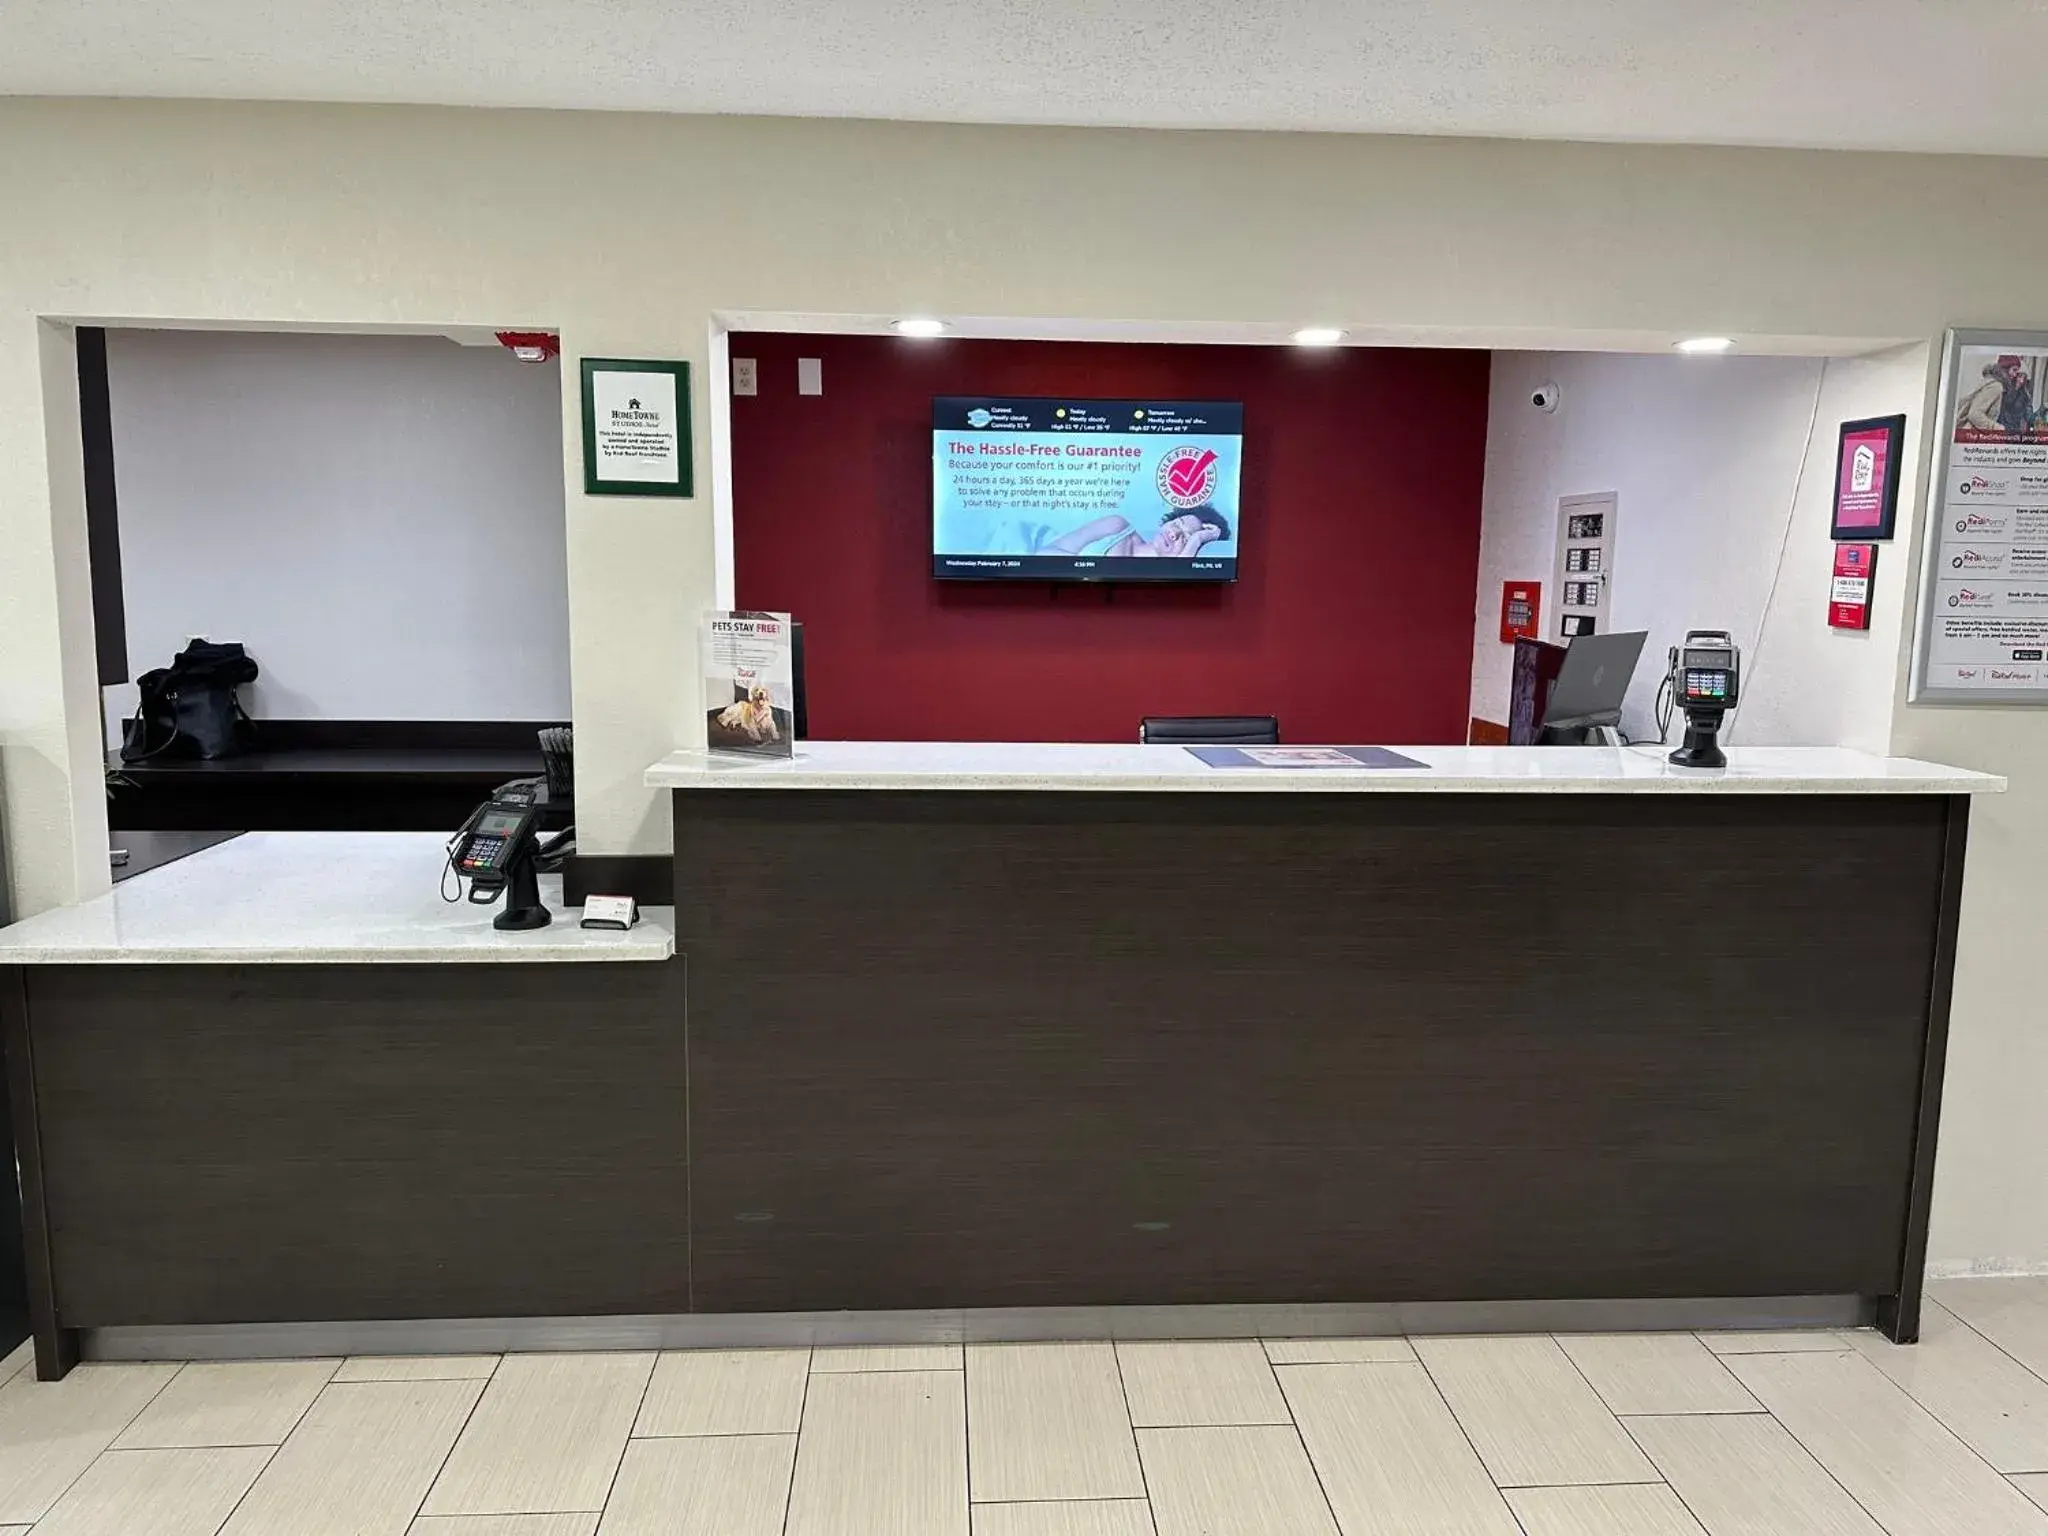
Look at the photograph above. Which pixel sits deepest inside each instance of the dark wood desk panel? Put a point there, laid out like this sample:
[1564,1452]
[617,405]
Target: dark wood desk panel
[986,1049]
[322,1142]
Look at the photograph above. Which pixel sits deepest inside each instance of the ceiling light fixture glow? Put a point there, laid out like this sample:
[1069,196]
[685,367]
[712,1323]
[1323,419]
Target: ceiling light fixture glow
[1318,336]
[920,326]
[1697,345]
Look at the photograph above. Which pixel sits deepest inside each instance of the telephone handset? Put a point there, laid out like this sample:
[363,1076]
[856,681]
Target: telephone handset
[497,849]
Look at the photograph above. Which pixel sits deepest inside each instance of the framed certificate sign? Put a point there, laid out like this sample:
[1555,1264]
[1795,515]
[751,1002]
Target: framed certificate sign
[1867,477]
[1983,631]
[636,428]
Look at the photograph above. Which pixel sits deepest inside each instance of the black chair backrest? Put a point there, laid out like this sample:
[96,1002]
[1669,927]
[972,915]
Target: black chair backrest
[1211,730]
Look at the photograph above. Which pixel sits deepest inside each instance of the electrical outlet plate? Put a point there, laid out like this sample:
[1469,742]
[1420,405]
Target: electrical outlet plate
[746,376]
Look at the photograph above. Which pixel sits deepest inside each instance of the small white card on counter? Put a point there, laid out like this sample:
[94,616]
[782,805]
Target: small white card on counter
[609,912]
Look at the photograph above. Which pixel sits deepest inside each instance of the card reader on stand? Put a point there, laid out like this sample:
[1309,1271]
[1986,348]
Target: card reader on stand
[498,849]
[1706,681]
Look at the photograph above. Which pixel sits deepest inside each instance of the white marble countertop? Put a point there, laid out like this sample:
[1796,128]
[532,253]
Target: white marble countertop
[1491,770]
[312,897]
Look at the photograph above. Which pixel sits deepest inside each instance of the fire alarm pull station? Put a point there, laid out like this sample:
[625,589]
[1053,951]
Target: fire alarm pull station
[1520,610]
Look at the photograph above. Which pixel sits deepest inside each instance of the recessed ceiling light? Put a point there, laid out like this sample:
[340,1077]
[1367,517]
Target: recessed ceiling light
[1706,344]
[1318,336]
[920,326]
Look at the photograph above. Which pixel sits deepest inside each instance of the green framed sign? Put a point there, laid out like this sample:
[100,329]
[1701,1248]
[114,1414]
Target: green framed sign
[636,427]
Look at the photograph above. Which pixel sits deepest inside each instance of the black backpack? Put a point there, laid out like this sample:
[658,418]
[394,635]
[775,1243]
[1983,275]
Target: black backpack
[190,708]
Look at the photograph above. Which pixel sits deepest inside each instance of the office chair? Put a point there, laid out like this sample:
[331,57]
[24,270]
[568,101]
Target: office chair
[1211,730]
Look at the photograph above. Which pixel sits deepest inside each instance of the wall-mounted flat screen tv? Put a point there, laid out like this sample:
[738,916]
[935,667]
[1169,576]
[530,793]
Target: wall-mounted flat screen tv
[1085,490]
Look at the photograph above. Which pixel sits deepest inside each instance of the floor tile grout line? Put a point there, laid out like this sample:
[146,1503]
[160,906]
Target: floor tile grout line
[1614,1482]
[1683,1503]
[1558,1340]
[1113,1498]
[243,1496]
[239,1445]
[324,1385]
[210,1445]
[1964,1323]
[1602,1401]
[448,1455]
[1205,1423]
[28,1359]
[1743,1354]
[1274,1376]
[625,1445]
[1598,1396]
[118,1433]
[967,1440]
[1925,1408]
[1933,1417]
[1804,1449]
[796,1444]
[1445,1398]
[1307,1455]
[1138,1452]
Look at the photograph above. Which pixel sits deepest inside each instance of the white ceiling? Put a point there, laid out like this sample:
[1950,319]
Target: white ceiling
[1877,74]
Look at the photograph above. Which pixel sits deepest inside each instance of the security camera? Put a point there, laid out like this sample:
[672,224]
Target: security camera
[1545,396]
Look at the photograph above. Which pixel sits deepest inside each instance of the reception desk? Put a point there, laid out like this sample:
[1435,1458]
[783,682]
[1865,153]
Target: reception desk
[1011,1042]
[1516,1037]
[282,1083]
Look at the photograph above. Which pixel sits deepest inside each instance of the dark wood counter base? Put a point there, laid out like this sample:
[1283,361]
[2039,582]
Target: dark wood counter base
[1072,1049]
[271,1143]
[952,1053]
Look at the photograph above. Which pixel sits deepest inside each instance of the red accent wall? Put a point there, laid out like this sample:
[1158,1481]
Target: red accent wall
[1352,617]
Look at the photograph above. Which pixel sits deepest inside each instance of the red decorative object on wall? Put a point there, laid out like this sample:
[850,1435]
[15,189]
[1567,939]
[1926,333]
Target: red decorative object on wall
[531,346]
[1351,619]
[1521,611]
[1849,587]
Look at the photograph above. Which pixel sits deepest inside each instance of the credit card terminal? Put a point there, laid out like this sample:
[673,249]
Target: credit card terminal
[490,846]
[496,850]
[1707,670]
[1706,682]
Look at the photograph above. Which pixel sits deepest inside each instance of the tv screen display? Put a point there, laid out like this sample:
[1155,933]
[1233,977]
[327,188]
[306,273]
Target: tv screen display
[1085,490]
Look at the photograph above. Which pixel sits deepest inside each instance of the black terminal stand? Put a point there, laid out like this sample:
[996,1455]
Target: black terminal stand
[1702,745]
[523,908]
[521,890]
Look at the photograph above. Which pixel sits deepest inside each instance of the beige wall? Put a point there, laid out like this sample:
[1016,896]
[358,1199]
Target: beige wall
[628,232]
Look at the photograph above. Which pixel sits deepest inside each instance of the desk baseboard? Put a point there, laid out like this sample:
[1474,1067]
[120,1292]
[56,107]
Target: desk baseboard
[973,1325]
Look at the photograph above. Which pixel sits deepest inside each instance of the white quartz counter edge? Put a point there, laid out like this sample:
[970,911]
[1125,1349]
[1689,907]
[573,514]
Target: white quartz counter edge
[1466,770]
[324,898]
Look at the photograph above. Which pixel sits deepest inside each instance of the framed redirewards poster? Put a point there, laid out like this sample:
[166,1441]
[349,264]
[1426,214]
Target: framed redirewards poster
[1982,633]
[1867,477]
[636,428]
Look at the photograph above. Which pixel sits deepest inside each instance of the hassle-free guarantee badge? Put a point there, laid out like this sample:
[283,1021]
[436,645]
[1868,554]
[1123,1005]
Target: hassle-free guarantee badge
[1187,476]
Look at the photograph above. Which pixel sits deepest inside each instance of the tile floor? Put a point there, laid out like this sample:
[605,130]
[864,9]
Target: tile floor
[1754,1434]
